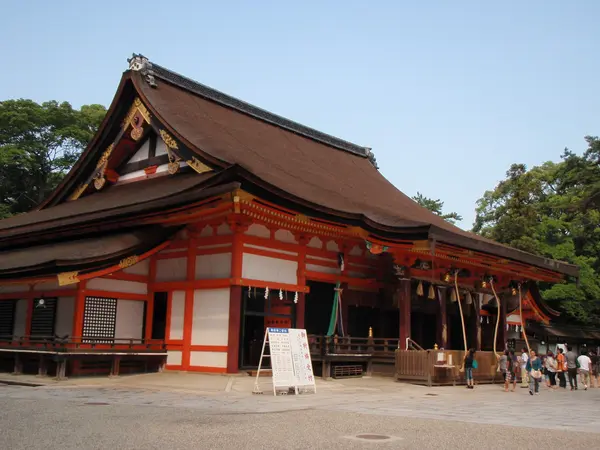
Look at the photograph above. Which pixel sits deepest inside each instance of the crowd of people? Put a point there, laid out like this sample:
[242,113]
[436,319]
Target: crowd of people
[552,369]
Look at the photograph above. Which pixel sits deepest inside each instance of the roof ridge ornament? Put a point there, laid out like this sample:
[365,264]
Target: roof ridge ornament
[139,63]
[371,157]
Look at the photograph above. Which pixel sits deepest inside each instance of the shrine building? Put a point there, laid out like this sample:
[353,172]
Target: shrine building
[193,220]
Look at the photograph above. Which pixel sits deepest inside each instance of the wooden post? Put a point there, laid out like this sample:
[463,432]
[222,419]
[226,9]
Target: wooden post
[18,369]
[188,311]
[115,366]
[442,322]
[404,303]
[150,303]
[42,367]
[501,342]
[476,330]
[235,297]
[301,305]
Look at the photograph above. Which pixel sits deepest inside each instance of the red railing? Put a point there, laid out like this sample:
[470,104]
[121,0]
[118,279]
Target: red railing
[74,344]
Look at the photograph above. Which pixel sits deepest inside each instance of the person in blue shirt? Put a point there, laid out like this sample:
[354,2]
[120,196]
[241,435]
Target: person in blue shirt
[534,369]
[470,364]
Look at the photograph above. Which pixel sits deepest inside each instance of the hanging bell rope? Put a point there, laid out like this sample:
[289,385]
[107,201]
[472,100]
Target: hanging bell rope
[497,317]
[420,289]
[462,317]
[522,321]
[431,295]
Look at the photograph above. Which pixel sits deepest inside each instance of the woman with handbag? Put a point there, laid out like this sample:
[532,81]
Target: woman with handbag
[534,368]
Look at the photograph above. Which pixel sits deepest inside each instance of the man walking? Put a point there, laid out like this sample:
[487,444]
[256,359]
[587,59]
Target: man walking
[572,367]
[585,365]
[524,358]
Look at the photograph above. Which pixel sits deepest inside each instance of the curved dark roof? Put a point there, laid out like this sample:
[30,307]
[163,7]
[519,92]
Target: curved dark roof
[78,255]
[306,167]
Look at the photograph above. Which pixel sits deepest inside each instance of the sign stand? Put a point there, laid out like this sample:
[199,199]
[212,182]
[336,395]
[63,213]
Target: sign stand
[291,365]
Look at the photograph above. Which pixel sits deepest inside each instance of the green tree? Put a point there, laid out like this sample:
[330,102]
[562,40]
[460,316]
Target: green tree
[38,145]
[553,210]
[436,207]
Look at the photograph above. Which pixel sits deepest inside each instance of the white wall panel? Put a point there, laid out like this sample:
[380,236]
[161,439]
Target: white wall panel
[161,148]
[315,242]
[208,359]
[20,317]
[107,284]
[141,268]
[177,310]
[259,230]
[211,317]
[171,269]
[285,236]
[256,267]
[332,246]
[141,154]
[65,309]
[213,266]
[130,319]
[224,229]
[174,358]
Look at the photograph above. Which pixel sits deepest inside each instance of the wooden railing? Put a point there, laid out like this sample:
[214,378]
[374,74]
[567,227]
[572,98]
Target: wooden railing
[380,349]
[75,344]
[441,367]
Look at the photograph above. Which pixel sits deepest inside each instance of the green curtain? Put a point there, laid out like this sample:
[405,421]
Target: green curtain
[334,310]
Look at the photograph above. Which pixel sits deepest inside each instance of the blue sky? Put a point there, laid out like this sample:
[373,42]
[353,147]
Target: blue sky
[448,94]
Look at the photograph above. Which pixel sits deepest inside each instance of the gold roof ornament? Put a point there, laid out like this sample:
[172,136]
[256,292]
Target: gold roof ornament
[67,278]
[129,261]
[198,166]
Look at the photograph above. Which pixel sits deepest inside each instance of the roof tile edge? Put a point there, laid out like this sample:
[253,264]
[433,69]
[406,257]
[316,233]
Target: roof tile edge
[151,71]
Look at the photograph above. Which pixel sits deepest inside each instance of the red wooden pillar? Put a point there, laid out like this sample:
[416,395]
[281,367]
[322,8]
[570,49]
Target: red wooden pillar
[404,303]
[301,305]
[29,315]
[79,309]
[188,312]
[150,303]
[235,298]
[442,320]
[476,329]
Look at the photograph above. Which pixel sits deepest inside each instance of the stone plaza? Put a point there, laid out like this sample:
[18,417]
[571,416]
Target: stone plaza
[181,410]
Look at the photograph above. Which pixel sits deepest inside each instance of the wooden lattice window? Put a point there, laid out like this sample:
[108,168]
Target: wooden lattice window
[7,317]
[43,316]
[99,319]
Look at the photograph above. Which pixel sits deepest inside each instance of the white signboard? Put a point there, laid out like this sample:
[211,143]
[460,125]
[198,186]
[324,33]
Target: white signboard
[301,358]
[281,357]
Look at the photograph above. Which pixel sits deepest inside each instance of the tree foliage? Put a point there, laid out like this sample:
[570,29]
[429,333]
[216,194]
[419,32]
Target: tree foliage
[436,207]
[38,145]
[553,210]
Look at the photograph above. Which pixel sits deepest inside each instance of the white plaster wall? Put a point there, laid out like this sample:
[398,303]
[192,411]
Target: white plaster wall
[315,243]
[130,319]
[107,284]
[285,236]
[63,323]
[161,148]
[256,267]
[206,231]
[171,269]
[177,310]
[259,230]
[276,250]
[174,358]
[8,288]
[213,266]
[356,251]
[142,153]
[208,359]
[332,246]
[514,318]
[210,324]
[141,268]
[224,229]
[20,317]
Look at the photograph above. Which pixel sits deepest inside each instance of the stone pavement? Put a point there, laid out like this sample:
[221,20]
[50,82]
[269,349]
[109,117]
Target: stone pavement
[214,394]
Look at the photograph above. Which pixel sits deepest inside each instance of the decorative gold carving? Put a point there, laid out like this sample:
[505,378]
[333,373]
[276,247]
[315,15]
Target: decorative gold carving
[99,182]
[169,141]
[135,107]
[129,261]
[302,218]
[80,190]
[67,278]
[104,158]
[136,133]
[197,165]
[173,167]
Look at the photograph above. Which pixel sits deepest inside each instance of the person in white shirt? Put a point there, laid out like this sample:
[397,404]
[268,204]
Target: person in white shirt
[585,364]
[524,358]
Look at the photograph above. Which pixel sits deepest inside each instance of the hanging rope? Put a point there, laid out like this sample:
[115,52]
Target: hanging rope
[497,316]
[522,321]
[462,318]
